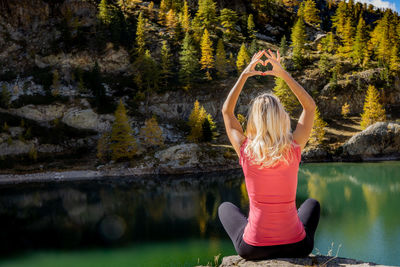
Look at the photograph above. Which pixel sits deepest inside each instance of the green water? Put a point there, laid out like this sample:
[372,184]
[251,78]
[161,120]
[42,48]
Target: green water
[172,221]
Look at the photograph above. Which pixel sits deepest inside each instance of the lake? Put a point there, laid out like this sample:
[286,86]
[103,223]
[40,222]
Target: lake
[173,221]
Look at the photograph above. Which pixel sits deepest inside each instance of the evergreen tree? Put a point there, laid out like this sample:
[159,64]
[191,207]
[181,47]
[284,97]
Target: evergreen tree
[228,19]
[253,47]
[151,133]
[311,13]
[328,43]
[208,129]
[150,72]
[251,32]
[380,42]
[220,60]
[166,64]
[283,48]
[105,13]
[360,42]
[318,130]
[300,11]
[207,58]
[373,110]
[165,6]
[243,58]
[140,35]
[195,122]
[122,142]
[298,42]
[188,61]
[186,17]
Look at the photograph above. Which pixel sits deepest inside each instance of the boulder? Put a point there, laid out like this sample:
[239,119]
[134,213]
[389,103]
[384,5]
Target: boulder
[16,147]
[381,139]
[40,113]
[87,119]
[311,260]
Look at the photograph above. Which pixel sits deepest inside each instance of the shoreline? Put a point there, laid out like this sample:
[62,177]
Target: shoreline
[122,171]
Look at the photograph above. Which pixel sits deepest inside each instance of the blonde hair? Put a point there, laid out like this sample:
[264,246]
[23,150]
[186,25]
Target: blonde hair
[268,125]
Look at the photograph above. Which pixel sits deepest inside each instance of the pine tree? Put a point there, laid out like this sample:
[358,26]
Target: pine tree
[105,13]
[251,32]
[283,48]
[285,95]
[298,37]
[253,47]
[228,19]
[150,72]
[208,129]
[194,114]
[220,60]
[196,120]
[140,35]
[373,110]
[166,64]
[122,142]
[360,42]
[300,11]
[381,40]
[311,13]
[188,61]
[345,110]
[165,5]
[186,17]
[328,43]
[317,132]
[151,133]
[207,58]
[243,58]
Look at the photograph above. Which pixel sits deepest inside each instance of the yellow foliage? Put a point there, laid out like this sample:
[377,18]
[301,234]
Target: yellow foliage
[207,58]
[243,58]
[196,120]
[151,133]
[317,131]
[373,109]
[345,110]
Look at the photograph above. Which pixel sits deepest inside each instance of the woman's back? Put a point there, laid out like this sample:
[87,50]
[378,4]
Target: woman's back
[273,218]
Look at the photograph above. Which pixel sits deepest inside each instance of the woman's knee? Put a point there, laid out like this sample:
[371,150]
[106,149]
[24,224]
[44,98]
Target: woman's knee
[313,203]
[223,207]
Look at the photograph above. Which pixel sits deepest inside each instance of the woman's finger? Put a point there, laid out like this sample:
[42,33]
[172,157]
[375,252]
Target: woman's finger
[255,63]
[272,54]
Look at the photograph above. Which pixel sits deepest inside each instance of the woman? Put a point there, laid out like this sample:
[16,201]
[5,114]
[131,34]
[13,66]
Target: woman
[270,155]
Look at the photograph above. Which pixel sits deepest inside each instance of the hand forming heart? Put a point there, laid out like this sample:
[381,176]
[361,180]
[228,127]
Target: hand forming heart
[256,60]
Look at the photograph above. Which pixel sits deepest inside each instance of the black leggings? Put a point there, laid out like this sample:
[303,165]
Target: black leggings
[234,223]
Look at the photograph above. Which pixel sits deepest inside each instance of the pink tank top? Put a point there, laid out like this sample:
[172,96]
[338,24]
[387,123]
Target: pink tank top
[273,218]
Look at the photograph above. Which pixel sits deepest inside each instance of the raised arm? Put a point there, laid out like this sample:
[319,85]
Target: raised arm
[233,128]
[306,120]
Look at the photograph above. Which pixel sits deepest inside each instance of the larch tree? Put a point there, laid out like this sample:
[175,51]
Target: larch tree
[318,130]
[165,6]
[151,133]
[328,43]
[220,60]
[298,37]
[207,58]
[251,32]
[283,48]
[345,110]
[166,64]
[339,19]
[105,12]
[285,95]
[189,62]
[185,17]
[347,39]
[171,21]
[228,19]
[140,35]
[195,122]
[311,13]
[300,11]
[394,59]
[206,13]
[208,128]
[122,142]
[373,110]
[360,42]
[243,58]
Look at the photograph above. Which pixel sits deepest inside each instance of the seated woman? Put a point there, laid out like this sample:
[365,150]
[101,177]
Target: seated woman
[270,155]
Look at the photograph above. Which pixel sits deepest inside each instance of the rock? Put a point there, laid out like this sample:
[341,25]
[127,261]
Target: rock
[16,147]
[378,140]
[87,119]
[15,131]
[179,156]
[311,260]
[40,113]
[312,154]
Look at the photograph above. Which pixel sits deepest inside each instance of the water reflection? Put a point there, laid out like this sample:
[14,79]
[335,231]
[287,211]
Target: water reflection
[358,204]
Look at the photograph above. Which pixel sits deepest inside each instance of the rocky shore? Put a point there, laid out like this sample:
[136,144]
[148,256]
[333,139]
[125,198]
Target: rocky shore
[312,260]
